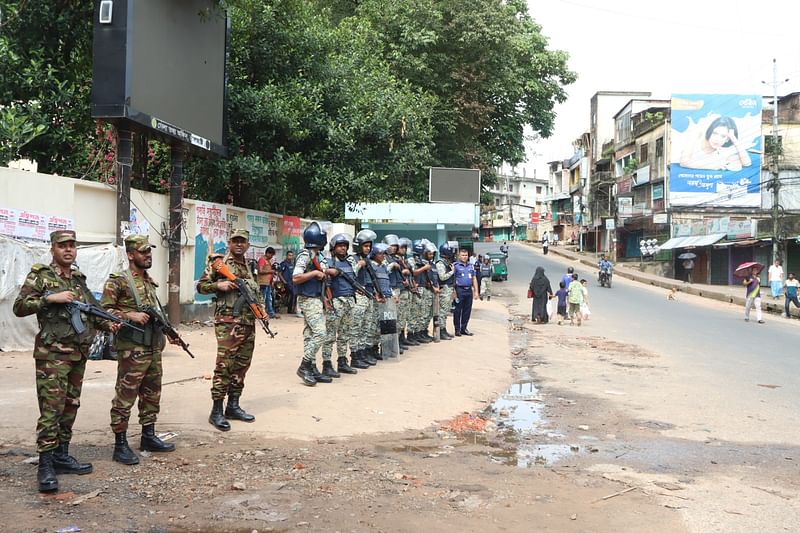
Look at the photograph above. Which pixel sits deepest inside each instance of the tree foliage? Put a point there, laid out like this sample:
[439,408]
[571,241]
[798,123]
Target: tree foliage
[329,101]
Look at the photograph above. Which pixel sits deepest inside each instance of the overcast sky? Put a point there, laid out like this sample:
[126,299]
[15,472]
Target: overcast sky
[681,46]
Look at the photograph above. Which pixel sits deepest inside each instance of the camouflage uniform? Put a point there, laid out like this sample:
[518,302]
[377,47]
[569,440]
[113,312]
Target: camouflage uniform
[235,333]
[314,331]
[338,326]
[414,302]
[139,355]
[373,329]
[425,304]
[445,271]
[59,353]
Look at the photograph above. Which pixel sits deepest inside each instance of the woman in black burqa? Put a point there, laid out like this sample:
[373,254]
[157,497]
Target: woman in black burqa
[540,287]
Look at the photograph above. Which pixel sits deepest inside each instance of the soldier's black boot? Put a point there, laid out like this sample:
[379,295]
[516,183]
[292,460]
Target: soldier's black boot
[64,463]
[328,370]
[423,337]
[216,418]
[46,474]
[234,412]
[151,443]
[122,452]
[411,339]
[376,353]
[401,340]
[443,335]
[319,376]
[344,368]
[357,360]
[306,373]
[366,355]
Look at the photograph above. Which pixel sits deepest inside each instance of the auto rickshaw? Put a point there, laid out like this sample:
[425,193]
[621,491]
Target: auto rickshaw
[499,268]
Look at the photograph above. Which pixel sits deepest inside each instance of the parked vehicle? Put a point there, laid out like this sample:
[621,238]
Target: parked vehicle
[499,268]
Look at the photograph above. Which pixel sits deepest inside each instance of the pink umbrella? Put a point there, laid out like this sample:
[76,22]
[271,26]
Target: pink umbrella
[744,269]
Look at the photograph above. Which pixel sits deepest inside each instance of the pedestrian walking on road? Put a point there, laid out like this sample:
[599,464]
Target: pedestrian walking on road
[545,243]
[234,327]
[792,285]
[561,295]
[542,291]
[775,275]
[59,355]
[753,295]
[575,299]
[585,311]
[486,280]
[139,364]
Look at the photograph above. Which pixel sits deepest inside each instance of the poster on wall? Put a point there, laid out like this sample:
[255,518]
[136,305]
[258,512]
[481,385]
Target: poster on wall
[211,235]
[257,223]
[716,150]
[30,226]
[291,233]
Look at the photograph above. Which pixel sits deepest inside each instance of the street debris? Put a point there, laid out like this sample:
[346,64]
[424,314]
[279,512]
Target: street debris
[464,423]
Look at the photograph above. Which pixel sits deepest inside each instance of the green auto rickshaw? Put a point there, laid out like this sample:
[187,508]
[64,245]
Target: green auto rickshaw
[499,269]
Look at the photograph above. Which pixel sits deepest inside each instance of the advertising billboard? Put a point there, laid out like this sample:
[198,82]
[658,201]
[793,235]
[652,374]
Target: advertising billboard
[716,146]
[455,185]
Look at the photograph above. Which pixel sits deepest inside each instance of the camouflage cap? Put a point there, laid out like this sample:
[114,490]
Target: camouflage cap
[139,243]
[242,233]
[62,235]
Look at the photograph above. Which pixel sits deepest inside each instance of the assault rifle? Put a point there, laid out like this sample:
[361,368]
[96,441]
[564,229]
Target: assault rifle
[374,278]
[76,308]
[409,281]
[166,328]
[219,266]
[327,293]
[353,282]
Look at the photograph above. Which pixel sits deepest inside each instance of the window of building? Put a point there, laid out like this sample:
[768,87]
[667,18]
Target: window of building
[644,151]
[660,147]
[538,190]
[510,187]
[497,201]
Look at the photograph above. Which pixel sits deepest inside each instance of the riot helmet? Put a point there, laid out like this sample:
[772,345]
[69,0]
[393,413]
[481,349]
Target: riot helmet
[362,237]
[391,240]
[378,248]
[339,238]
[314,237]
[418,247]
[446,251]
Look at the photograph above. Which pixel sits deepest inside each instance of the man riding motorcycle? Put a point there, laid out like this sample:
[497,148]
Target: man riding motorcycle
[604,275]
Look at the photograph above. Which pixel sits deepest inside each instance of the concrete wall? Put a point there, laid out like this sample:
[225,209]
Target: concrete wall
[92,208]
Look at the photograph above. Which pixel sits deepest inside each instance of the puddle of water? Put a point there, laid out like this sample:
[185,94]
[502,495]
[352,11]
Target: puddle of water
[518,412]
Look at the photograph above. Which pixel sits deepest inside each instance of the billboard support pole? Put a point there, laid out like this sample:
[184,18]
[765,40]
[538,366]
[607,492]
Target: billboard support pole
[177,152]
[124,166]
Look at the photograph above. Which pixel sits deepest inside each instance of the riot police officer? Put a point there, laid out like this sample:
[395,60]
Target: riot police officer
[342,268]
[364,311]
[308,277]
[444,269]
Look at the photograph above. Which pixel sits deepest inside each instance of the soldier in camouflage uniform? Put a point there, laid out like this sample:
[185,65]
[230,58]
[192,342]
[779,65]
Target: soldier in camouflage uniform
[408,299]
[337,324]
[308,279]
[364,319]
[444,270]
[139,370]
[234,326]
[59,353]
[422,308]
[395,269]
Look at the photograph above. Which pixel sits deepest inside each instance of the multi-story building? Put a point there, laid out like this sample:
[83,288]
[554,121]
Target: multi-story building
[515,197]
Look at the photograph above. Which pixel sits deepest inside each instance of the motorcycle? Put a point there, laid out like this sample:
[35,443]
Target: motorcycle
[604,278]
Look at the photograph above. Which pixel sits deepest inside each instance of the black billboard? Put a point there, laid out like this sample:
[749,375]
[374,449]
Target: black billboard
[161,64]
[455,185]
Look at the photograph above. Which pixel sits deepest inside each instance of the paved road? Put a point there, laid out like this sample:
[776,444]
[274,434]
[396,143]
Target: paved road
[721,354]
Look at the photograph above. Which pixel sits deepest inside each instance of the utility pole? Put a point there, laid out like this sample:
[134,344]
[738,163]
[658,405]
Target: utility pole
[124,164]
[775,183]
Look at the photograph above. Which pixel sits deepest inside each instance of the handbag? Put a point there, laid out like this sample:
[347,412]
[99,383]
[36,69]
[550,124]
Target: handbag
[530,293]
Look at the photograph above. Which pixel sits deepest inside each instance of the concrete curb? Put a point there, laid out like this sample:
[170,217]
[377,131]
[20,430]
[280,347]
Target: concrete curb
[666,283]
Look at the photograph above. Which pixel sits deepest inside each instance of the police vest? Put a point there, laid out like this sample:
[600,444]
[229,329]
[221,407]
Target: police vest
[364,278]
[451,281]
[421,279]
[464,274]
[339,286]
[396,275]
[384,284]
[313,287]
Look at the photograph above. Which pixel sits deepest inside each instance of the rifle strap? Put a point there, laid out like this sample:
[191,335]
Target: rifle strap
[134,291]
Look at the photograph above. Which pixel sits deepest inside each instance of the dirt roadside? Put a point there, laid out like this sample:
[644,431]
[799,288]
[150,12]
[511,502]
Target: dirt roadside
[364,454]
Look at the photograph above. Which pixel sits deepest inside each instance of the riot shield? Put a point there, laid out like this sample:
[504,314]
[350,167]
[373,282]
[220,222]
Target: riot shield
[390,343]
